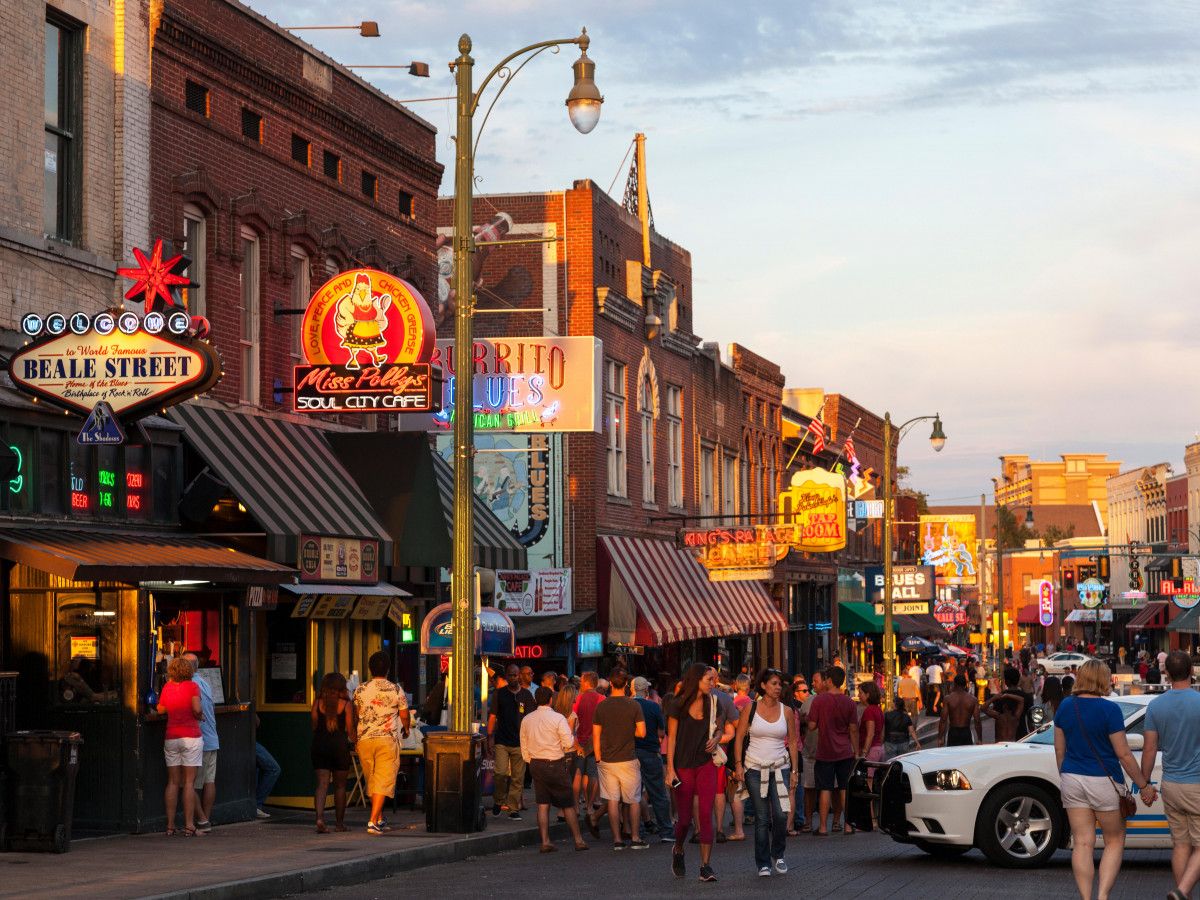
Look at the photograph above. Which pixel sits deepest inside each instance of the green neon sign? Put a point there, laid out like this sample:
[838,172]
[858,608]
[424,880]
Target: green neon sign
[16,484]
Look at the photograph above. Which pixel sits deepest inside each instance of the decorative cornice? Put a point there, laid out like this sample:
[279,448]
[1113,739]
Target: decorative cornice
[618,308]
[680,342]
[350,129]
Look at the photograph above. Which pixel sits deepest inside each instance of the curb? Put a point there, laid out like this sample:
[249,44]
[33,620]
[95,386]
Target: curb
[364,868]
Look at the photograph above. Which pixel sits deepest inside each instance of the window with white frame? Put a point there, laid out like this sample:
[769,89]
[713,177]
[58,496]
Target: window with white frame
[646,402]
[332,267]
[195,248]
[301,290]
[708,462]
[674,447]
[250,317]
[614,409]
[744,490]
[772,489]
[729,487]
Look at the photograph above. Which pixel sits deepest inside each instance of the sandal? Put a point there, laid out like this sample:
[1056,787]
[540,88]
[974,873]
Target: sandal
[191,832]
[837,826]
[170,832]
[321,829]
[850,829]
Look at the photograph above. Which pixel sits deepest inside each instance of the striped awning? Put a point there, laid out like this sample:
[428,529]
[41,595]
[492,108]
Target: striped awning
[674,599]
[495,546]
[132,557]
[1153,615]
[284,473]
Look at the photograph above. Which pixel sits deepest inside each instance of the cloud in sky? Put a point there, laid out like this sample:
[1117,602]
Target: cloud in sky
[987,210]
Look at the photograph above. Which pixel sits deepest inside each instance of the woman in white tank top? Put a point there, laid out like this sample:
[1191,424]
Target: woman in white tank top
[765,752]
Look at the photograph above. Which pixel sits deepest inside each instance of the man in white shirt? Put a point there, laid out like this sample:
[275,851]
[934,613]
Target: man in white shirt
[933,678]
[546,741]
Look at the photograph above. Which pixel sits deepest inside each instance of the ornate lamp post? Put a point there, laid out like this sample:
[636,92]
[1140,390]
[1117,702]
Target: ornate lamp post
[937,440]
[583,107]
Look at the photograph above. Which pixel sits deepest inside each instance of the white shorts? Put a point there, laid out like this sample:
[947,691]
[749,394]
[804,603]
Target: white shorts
[621,781]
[184,751]
[1088,792]
[207,773]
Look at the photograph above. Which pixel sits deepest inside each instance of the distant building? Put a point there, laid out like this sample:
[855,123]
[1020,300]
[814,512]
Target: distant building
[1076,478]
[1177,514]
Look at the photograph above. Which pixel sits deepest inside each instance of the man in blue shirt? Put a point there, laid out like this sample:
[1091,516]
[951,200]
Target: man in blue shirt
[1173,726]
[650,759]
[206,775]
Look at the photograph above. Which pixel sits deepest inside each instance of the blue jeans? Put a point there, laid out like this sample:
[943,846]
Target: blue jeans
[770,824]
[268,774]
[656,789]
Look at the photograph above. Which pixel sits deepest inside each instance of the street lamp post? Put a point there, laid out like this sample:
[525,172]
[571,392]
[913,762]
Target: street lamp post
[937,439]
[583,107]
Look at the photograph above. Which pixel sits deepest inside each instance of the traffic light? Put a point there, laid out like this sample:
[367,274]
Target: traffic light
[1102,567]
[407,634]
[1068,579]
[1176,566]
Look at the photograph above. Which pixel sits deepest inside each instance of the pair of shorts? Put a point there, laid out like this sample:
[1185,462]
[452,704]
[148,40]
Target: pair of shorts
[184,751]
[552,782]
[380,758]
[621,781]
[808,775]
[207,773]
[1182,803]
[722,778]
[833,776]
[330,750]
[1094,792]
[586,766]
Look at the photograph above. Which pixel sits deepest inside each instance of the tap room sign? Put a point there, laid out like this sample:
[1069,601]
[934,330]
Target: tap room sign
[522,384]
[368,338]
[120,365]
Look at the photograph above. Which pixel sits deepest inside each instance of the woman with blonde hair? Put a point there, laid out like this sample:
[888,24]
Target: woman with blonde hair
[1090,745]
[563,703]
[184,747]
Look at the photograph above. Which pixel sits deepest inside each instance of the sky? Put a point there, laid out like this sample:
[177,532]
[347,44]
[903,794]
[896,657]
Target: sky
[989,211]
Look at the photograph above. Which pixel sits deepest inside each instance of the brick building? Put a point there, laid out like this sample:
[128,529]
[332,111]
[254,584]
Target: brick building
[275,168]
[689,434]
[62,235]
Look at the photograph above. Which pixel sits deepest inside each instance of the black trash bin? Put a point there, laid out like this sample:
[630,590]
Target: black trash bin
[42,767]
[453,793]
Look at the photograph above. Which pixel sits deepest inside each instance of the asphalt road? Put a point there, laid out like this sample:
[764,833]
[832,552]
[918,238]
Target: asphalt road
[862,865]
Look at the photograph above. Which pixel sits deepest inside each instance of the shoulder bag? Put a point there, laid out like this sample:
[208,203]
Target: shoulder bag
[719,756]
[1127,804]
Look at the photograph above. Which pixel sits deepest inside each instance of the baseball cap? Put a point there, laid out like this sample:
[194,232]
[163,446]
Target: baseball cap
[640,685]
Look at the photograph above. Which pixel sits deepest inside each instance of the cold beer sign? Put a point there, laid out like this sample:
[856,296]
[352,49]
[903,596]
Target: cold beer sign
[368,338]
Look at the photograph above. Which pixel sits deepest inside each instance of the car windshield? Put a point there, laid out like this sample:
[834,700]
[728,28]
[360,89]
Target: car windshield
[1045,734]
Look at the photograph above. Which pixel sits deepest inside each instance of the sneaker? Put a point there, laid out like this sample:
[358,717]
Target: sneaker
[780,867]
[375,828]
[204,827]
[515,816]
[637,845]
[383,824]
[764,872]
[261,814]
[620,845]
[707,873]
[495,809]
[677,864]
[666,838]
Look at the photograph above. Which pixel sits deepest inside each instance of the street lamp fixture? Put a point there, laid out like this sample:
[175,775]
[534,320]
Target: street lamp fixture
[365,28]
[583,106]
[892,436]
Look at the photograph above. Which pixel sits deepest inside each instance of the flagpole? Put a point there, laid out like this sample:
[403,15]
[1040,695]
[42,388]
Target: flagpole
[803,438]
[842,449]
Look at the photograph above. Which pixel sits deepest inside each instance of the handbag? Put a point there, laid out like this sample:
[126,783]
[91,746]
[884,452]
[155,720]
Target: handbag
[1127,804]
[719,757]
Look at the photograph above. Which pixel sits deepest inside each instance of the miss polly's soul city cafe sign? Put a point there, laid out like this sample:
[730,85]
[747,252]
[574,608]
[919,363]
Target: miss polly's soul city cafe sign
[118,366]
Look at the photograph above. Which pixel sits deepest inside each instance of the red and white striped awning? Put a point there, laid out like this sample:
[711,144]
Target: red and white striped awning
[675,600]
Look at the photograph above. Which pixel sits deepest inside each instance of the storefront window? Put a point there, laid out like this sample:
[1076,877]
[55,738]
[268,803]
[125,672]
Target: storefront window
[200,623]
[286,663]
[50,460]
[88,648]
[137,483]
[164,492]
[83,499]
[109,494]
[19,491]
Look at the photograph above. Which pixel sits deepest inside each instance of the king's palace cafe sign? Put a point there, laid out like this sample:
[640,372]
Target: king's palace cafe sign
[521,384]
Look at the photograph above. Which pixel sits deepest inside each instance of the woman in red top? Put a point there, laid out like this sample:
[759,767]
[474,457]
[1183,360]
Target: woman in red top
[184,747]
[870,726]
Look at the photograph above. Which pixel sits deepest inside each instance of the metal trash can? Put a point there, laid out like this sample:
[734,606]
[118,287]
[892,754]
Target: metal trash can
[453,794]
[42,767]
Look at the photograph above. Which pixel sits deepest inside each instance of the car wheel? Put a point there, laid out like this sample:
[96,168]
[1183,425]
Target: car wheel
[1017,826]
[943,851]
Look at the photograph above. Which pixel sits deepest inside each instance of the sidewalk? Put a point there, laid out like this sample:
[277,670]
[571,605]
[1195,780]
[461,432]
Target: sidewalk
[270,858]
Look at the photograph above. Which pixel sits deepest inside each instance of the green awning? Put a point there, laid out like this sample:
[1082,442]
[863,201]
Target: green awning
[855,616]
[1189,622]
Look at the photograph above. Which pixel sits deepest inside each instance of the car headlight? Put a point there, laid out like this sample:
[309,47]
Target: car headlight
[946,780]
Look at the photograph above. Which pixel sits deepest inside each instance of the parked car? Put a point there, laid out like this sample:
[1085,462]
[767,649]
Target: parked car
[1060,663]
[1002,798]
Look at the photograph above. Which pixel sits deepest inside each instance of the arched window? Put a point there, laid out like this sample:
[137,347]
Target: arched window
[250,316]
[195,248]
[301,290]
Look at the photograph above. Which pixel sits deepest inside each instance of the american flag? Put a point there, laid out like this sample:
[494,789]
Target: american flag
[817,429]
[848,448]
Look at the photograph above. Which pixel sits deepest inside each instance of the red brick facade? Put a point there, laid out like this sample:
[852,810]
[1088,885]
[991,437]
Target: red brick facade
[247,76]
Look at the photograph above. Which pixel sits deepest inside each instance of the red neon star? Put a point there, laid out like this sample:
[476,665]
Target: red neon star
[153,277]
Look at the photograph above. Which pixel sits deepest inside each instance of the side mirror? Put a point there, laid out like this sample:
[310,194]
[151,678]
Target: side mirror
[1136,741]
[1037,716]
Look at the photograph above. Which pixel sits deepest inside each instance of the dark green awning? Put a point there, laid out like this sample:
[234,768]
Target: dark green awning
[1189,622]
[855,616]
